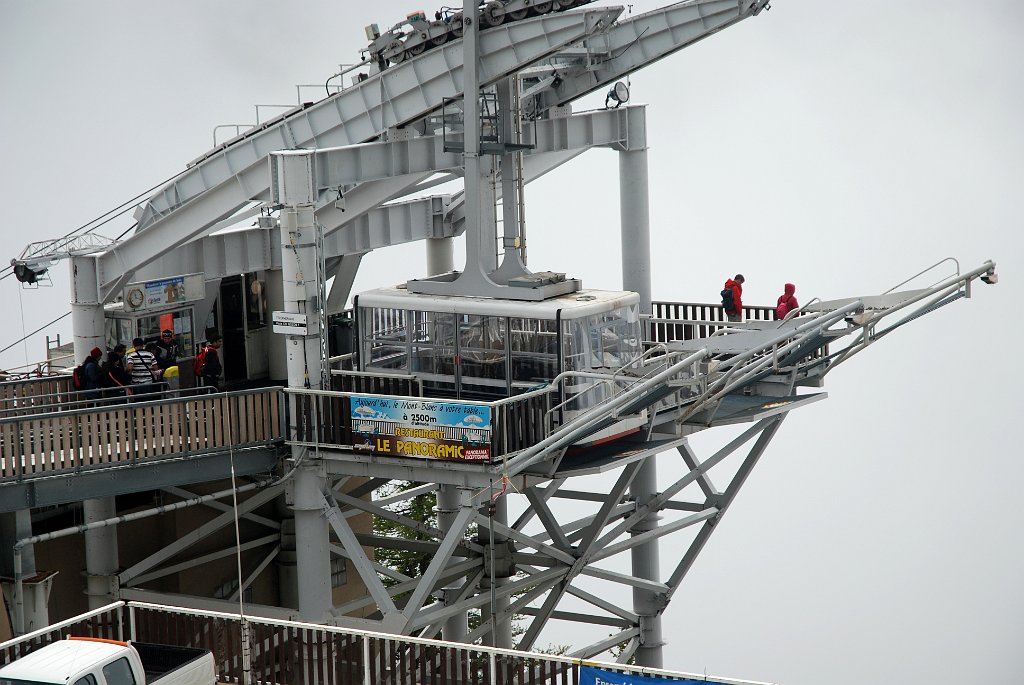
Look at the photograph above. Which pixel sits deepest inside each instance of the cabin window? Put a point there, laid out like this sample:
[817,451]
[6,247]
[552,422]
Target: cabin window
[119,672]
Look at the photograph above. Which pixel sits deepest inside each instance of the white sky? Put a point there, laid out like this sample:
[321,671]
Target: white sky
[840,146]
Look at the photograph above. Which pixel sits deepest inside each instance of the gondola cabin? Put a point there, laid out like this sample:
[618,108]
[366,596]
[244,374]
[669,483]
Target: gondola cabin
[478,348]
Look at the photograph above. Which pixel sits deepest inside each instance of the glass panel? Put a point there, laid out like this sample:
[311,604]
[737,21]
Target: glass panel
[385,324]
[180,321]
[119,672]
[615,337]
[117,331]
[434,328]
[482,346]
[574,345]
[433,360]
[387,357]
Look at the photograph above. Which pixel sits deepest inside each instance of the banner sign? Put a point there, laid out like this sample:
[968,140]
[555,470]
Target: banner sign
[165,292]
[418,428]
[596,676]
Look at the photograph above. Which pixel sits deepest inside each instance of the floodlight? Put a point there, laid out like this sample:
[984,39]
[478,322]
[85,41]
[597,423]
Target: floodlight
[618,94]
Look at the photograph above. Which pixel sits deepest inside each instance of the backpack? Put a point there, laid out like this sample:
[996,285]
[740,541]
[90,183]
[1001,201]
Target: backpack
[78,377]
[199,362]
[727,301]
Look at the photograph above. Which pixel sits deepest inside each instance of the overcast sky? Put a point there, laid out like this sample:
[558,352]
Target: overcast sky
[840,146]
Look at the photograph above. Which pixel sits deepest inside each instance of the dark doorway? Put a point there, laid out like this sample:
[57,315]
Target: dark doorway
[232,316]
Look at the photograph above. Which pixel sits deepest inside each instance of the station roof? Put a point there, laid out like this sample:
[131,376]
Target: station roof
[572,305]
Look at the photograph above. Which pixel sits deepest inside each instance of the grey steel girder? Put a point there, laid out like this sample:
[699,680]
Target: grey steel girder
[393,98]
[637,41]
[220,183]
[395,168]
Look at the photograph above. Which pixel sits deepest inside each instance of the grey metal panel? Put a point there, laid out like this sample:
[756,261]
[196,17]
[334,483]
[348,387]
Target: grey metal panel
[365,225]
[220,183]
[106,482]
[638,41]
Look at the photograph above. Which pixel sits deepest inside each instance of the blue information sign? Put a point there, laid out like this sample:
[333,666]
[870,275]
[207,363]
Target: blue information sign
[421,428]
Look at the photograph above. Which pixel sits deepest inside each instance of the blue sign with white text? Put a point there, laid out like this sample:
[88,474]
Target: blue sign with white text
[596,676]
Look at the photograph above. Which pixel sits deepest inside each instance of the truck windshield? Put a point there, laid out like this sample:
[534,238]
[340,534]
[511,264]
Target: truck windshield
[18,681]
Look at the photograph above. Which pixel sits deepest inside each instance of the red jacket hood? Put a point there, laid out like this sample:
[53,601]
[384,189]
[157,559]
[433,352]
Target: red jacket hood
[790,289]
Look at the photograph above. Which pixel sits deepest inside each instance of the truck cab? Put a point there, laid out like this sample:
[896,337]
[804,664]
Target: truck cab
[96,661]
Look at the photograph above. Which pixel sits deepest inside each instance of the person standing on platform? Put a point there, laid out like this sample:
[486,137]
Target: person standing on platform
[210,367]
[142,367]
[732,298]
[92,379]
[167,349]
[115,378]
[787,302]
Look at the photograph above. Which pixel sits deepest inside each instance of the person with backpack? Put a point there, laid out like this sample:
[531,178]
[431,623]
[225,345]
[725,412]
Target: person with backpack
[114,377]
[88,376]
[207,366]
[732,298]
[167,349]
[787,302]
[140,363]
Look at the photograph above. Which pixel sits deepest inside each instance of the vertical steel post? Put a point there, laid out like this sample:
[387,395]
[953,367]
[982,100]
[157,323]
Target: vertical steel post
[86,308]
[503,628]
[636,276]
[634,216]
[101,554]
[294,188]
[441,259]
[456,628]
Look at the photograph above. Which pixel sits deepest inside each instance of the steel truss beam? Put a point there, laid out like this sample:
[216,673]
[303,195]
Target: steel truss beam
[129,575]
[551,557]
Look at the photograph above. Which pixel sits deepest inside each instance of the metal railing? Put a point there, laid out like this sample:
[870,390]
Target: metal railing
[293,653]
[71,400]
[672,321]
[105,622]
[128,433]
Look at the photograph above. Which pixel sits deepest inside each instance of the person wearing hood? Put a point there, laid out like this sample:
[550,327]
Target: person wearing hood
[787,302]
[93,376]
[734,305]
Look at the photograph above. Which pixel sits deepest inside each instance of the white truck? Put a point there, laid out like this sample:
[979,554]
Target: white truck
[95,661]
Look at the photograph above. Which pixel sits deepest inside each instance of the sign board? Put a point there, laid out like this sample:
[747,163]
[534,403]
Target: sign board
[420,428]
[164,292]
[591,675]
[290,324]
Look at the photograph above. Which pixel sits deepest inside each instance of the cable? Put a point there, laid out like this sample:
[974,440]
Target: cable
[124,206]
[34,332]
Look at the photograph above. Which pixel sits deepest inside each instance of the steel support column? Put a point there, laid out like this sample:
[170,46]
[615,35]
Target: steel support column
[646,565]
[101,556]
[497,608]
[440,256]
[634,212]
[86,308]
[455,627]
[292,173]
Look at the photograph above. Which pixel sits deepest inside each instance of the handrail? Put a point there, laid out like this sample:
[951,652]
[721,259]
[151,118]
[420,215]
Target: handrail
[713,392]
[935,265]
[25,403]
[61,624]
[147,403]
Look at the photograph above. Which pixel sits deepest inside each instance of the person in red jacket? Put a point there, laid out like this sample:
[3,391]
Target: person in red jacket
[735,311]
[787,302]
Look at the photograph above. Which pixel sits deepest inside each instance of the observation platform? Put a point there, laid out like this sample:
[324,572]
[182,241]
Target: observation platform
[692,370]
[58,447]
